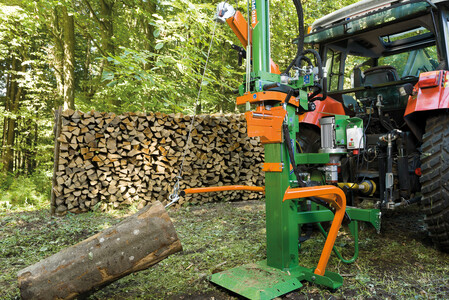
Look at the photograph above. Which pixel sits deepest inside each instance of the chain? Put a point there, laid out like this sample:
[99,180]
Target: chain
[174,197]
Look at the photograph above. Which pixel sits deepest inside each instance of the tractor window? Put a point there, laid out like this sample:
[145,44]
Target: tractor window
[412,63]
[333,61]
[402,37]
[354,67]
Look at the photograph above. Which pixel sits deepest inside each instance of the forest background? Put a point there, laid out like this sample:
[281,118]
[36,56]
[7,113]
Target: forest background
[115,56]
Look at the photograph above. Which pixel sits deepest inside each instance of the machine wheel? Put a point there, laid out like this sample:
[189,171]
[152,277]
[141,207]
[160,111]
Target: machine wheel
[435,179]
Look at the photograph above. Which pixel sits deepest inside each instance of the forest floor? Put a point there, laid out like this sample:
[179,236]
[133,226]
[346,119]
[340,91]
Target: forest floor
[398,263]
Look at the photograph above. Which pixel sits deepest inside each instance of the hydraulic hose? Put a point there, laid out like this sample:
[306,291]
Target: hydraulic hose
[301,183]
[320,88]
[300,48]
[307,60]
[300,56]
[318,61]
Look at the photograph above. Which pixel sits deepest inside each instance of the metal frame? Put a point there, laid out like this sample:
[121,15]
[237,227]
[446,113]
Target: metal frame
[280,273]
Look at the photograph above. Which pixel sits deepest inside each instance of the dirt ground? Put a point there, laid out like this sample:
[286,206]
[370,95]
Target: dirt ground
[399,263]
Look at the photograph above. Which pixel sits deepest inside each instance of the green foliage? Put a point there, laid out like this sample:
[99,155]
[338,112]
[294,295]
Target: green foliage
[23,191]
[168,78]
[22,38]
[133,56]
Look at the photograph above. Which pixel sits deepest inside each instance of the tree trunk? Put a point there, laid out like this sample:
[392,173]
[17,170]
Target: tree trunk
[69,60]
[107,33]
[14,97]
[134,244]
[107,30]
[148,28]
[33,147]
[5,119]
[86,71]
[58,62]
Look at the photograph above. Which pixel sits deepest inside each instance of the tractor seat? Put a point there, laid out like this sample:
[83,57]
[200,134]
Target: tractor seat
[379,75]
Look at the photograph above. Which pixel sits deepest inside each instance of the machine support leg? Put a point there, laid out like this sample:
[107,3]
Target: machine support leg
[337,200]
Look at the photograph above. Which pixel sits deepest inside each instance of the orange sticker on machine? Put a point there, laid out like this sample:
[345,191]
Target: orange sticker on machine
[254,20]
[272,167]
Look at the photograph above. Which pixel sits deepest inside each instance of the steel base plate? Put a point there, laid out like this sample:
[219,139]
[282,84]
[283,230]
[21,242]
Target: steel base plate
[259,281]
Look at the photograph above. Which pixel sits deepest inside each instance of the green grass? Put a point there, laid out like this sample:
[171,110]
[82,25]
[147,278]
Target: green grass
[399,263]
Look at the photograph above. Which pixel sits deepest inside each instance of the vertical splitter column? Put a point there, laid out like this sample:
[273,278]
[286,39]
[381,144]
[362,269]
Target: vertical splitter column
[260,23]
[281,217]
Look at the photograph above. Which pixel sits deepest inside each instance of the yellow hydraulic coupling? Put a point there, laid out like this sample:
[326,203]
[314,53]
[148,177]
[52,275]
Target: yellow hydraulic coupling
[367,187]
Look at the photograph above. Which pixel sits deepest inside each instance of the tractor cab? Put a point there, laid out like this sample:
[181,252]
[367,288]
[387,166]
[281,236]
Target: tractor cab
[386,62]
[374,50]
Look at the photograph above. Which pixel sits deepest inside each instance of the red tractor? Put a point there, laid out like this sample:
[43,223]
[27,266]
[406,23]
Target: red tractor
[386,62]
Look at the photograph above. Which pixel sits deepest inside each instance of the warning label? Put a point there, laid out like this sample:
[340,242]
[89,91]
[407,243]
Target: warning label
[253,14]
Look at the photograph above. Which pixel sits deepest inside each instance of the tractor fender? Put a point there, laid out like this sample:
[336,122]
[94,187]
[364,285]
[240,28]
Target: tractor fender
[323,108]
[430,95]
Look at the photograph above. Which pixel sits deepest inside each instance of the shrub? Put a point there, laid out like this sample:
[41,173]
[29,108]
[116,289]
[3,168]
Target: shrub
[21,190]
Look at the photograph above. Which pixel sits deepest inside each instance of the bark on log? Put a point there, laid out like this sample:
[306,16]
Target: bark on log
[134,244]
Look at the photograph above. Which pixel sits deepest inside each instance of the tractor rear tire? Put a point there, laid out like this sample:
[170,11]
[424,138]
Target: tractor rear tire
[435,179]
[308,138]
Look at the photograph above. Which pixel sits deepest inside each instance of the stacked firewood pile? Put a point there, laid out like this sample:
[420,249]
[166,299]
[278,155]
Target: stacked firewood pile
[107,160]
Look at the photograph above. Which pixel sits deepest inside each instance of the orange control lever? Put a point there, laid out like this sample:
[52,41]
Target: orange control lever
[239,25]
[337,199]
[225,188]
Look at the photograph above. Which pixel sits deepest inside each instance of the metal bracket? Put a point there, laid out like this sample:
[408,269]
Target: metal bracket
[272,167]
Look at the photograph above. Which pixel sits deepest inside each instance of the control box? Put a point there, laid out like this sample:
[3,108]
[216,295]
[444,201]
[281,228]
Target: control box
[354,138]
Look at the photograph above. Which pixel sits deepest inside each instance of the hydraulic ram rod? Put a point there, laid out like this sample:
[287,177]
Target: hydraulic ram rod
[223,188]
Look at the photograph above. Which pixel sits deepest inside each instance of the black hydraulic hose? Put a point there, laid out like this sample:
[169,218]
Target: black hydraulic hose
[301,183]
[307,60]
[385,122]
[313,97]
[300,54]
[318,61]
[288,143]
[323,90]
[289,95]
[299,13]
[320,89]
[269,86]
[414,200]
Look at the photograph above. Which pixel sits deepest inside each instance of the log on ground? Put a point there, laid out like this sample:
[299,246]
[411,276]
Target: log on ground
[134,244]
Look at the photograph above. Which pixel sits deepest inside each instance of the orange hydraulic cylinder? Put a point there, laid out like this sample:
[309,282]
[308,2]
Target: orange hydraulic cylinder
[225,188]
[337,199]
